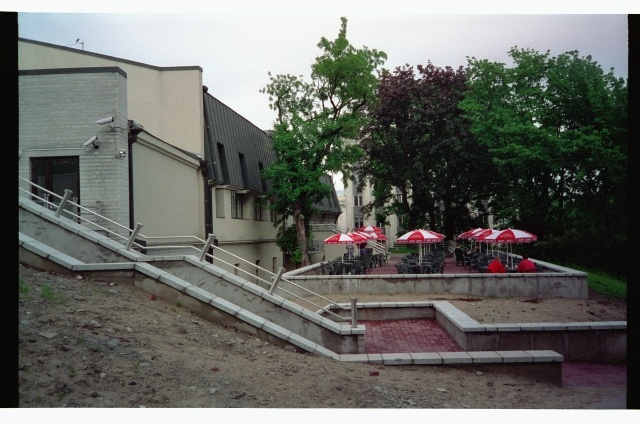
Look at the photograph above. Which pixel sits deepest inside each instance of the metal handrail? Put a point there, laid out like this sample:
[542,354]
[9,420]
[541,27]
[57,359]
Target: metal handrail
[61,205]
[59,208]
[274,283]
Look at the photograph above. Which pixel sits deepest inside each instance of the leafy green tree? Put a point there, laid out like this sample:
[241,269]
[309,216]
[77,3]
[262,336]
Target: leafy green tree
[314,120]
[420,157]
[556,128]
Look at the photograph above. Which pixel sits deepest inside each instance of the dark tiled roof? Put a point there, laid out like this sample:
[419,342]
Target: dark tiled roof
[235,149]
[236,152]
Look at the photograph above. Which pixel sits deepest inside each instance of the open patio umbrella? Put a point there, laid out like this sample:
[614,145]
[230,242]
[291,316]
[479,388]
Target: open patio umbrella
[341,239]
[469,234]
[510,236]
[480,235]
[421,237]
[347,239]
[370,229]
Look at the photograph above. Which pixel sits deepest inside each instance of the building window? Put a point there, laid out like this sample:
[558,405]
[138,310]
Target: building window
[56,174]
[243,170]
[357,200]
[236,205]
[223,163]
[257,208]
[263,182]
[358,222]
[273,216]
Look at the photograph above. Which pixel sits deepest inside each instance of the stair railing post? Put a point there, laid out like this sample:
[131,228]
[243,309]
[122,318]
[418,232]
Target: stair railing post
[276,280]
[134,234]
[354,312]
[63,202]
[206,247]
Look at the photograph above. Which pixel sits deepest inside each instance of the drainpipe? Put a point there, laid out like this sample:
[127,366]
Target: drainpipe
[134,130]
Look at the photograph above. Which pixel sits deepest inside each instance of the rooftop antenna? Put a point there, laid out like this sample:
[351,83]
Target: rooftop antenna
[78,41]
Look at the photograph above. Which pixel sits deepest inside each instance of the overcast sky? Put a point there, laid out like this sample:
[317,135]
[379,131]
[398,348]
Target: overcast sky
[237,50]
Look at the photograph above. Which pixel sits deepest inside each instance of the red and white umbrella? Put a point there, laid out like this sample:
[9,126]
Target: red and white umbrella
[420,236]
[509,236]
[479,236]
[371,229]
[343,239]
[379,236]
[469,234]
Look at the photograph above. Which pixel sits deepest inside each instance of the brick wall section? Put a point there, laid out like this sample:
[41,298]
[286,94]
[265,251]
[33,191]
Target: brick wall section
[57,114]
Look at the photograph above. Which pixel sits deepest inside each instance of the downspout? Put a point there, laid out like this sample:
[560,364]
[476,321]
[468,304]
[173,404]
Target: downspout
[134,130]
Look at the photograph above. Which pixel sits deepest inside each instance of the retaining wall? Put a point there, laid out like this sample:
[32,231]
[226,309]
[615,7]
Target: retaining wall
[566,283]
[604,342]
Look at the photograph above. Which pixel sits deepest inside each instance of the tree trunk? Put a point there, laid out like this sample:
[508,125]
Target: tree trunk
[301,233]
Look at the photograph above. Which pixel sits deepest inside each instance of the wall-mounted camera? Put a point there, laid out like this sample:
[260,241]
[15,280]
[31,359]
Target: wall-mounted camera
[105,121]
[92,142]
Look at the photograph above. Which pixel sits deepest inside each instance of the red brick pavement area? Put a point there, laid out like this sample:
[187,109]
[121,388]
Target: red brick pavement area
[407,336]
[584,374]
[426,335]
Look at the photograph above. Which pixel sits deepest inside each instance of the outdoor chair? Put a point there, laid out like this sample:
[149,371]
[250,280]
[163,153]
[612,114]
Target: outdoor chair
[437,267]
[337,268]
[367,262]
[402,268]
[459,257]
[326,268]
[358,268]
[483,265]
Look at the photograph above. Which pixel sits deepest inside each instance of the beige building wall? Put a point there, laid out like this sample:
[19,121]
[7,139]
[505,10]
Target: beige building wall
[164,209]
[166,101]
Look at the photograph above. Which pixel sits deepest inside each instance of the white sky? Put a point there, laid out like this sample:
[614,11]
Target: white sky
[238,44]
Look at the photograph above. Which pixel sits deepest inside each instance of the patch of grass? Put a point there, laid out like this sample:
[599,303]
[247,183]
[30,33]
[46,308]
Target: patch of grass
[603,283]
[178,304]
[81,340]
[47,292]
[403,249]
[23,290]
[99,290]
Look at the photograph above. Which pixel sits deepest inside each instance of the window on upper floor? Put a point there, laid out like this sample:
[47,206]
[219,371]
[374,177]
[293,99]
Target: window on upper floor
[257,208]
[236,205]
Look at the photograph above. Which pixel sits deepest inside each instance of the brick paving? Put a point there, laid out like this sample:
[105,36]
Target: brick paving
[586,374]
[426,335]
[407,336]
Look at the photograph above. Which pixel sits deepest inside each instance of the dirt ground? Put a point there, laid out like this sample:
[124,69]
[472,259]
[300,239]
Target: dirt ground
[95,344]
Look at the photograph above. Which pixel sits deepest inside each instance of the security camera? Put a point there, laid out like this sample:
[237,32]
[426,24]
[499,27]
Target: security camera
[93,141]
[104,121]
